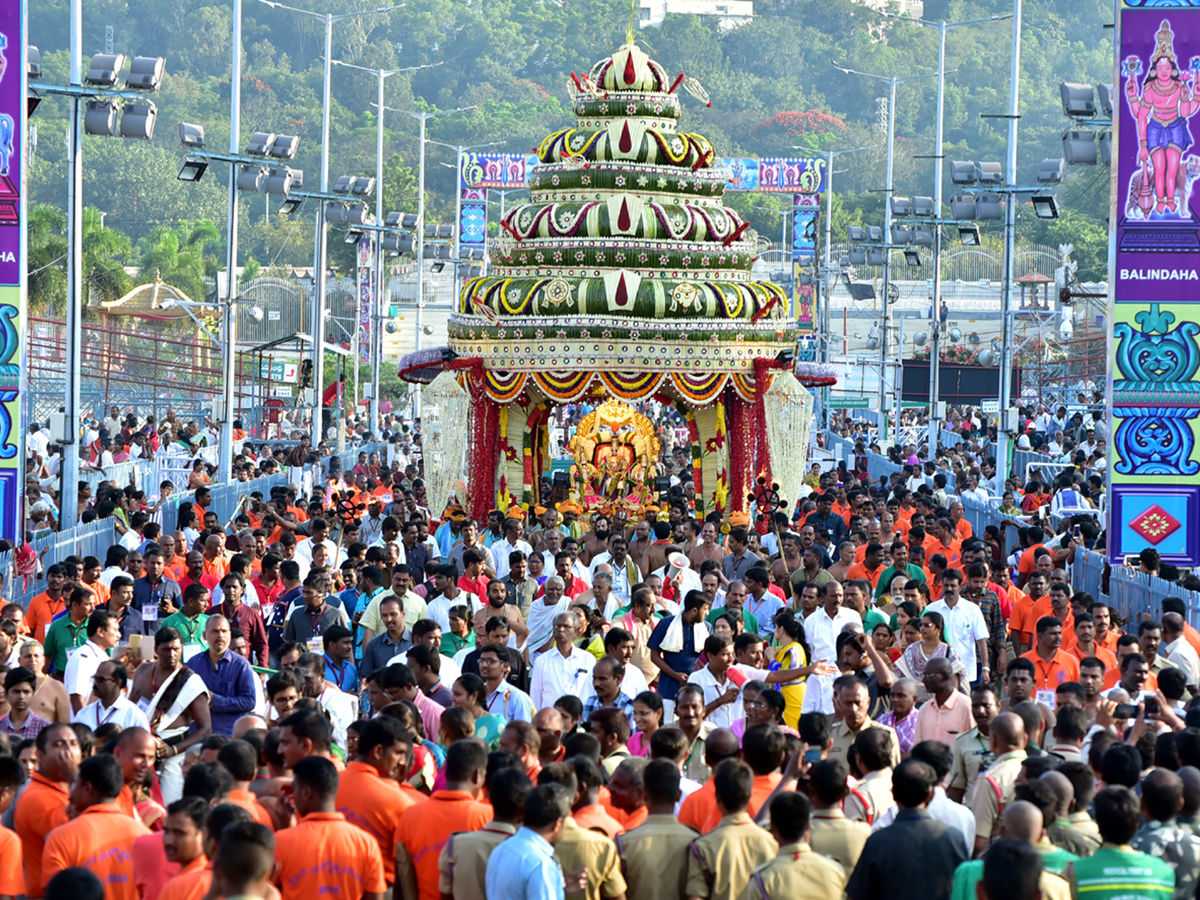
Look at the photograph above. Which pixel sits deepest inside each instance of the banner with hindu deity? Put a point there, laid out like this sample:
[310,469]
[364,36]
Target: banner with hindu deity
[1155,261]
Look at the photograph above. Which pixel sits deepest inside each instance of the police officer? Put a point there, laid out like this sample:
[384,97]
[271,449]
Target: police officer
[995,785]
[720,863]
[654,856]
[797,873]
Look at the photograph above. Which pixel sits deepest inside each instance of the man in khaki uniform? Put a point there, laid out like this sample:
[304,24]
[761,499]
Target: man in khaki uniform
[831,834]
[797,873]
[720,863]
[654,856]
[854,701]
[579,849]
[462,864]
[872,796]
[995,785]
[972,750]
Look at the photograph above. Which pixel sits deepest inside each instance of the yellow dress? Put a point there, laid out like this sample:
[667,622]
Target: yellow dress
[791,656]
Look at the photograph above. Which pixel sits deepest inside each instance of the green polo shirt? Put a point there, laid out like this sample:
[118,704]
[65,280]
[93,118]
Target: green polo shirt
[191,630]
[885,578]
[62,636]
[749,620]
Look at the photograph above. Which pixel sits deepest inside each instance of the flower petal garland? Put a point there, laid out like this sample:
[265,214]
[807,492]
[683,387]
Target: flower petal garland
[446,417]
[788,410]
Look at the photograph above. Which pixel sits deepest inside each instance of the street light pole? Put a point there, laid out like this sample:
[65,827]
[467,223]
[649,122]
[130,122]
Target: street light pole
[828,266]
[229,309]
[460,150]
[74,330]
[1010,226]
[317,318]
[376,337]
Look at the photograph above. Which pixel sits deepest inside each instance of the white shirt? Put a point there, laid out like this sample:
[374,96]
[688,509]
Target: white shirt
[622,585]
[500,554]
[725,715]
[634,682]
[439,609]
[109,574]
[555,675]
[822,631]
[943,809]
[964,626]
[81,669]
[122,712]
[978,493]
[1184,656]
[304,551]
[342,709]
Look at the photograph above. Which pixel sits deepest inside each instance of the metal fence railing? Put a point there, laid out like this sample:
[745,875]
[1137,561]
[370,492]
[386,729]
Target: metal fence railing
[1131,593]
[981,515]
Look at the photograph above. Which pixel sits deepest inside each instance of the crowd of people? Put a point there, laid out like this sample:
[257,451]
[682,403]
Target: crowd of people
[350,694]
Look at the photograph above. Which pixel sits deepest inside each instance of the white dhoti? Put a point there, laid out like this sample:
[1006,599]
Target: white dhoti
[167,705]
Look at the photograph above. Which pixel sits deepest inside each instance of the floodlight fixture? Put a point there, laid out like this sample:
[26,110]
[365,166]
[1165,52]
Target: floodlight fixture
[920,338]
[856,233]
[806,279]
[193,169]
[284,146]
[874,234]
[281,180]
[390,327]
[344,184]
[104,70]
[901,207]
[912,257]
[955,335]
[989,173]
[923,207]
[969,235]
[858,257]
[989,208]
[1079,148]
[1051,171]
[962,207]
[191,136]
[963,172]
[439,232]
[250,178]
[33,62]
[353,236]
[290,205]
[875,257]
[260,143]
[1045,206]
[901,234]
[1104,95]
[1078,100]
[138,120]
[437,267]
[987,358]
[100,118]
[1105,144]
[146,73]
[362,186]
[922,236]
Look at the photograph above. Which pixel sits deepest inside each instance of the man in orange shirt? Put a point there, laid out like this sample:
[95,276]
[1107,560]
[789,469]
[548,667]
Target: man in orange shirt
[48,604]
[1052,665]
[588,812]
[323,854]
[135,754]
[183,844]
[763,747]
[42,806]
[1031,539]
[1106,635]
[100,838]
[1087,646]
[12,881]
[245,862]
[870,568]
[962,528]
[721,744]
[1022,624]
[241,761]
[194,882]
[368,794]
[423,829]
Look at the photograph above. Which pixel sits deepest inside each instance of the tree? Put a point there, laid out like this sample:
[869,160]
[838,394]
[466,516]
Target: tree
[180,256]
[47,260]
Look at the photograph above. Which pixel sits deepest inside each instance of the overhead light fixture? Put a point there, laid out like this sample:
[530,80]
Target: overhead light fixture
[260,143]
[858,257]
[920,338]
[856,233]
[955,335]
[406,221]
[922,236]
[901,235]
[191,136]
[33,62]
[363,186]
[344,184]
[923,207]
[874,234]
[875,257]
[989,208]
[290,205]
[100,118]
[104,70]
[912,257]
[1078,100]
[353,236]
[146,73]
[284,146]
[437,267]
[1079,148]
[1045,206]
[250,178]
[969,235]
[901,207]
[193,169]
[1105,143]
[962,207]
[962,172]
[1051,171]
[1104,94]
[989,173]
[138,120]
[281,180]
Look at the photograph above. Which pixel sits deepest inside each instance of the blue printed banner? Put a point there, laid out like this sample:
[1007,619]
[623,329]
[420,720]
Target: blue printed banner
[12,265]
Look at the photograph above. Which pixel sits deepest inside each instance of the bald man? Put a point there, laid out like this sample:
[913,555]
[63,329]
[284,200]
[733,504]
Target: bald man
[995,786]
[1021,821]
[246,723]
[548,723]
[1060,832]
[135,753]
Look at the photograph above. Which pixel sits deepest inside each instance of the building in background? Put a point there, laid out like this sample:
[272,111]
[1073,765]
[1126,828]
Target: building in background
[731,12]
